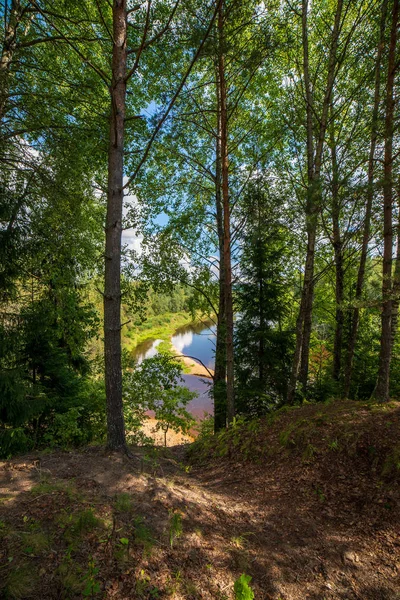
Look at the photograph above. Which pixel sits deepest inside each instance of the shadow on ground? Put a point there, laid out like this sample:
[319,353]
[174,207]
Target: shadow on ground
[89,524]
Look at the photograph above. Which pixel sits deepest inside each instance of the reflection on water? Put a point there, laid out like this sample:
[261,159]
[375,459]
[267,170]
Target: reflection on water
[196,340]
[146,349]
[203,403]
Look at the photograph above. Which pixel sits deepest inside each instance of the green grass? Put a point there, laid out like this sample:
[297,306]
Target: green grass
[79,524]
[21,582]
[160,327]
[48,487]
[123,503]
[36,542]
[143,536]
[175,527]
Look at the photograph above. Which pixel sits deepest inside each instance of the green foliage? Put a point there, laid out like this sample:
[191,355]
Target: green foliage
[242,588]
[65,430]
[205,428]
[155,385]
[91,584]
[143,536]
[13,440]
[261,345]
[45,394]
[175,527]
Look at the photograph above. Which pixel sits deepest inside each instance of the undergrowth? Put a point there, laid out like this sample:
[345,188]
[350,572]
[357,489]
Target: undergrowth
[311,432]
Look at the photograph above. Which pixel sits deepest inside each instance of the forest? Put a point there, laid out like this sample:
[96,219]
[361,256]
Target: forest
[219,168]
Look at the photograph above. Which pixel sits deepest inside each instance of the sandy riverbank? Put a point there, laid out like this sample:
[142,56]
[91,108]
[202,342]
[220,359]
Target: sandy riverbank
[173,438]
[195,368]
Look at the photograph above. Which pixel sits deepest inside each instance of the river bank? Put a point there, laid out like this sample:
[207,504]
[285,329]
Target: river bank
[149,428]
[158,335]
[159,327]
[192,366]
[187,342]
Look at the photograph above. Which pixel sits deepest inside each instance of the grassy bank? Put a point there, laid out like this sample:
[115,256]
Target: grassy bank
[160,327]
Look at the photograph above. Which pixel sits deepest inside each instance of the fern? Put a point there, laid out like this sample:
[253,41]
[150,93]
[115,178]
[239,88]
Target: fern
[242,588]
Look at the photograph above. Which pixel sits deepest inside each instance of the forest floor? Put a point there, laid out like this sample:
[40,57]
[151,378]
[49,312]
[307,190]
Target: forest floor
[314,525]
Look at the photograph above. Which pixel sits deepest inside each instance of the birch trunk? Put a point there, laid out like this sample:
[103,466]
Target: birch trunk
[313,205]
[382,386]
[338,257]
[219,379]
[368,208]
[230,400]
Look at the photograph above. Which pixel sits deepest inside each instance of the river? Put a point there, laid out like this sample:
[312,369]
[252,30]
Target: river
[197,341]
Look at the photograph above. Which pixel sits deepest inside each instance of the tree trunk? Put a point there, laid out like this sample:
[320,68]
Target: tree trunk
[368,208]
[313,206]
[339,315]
[261,341]
[7,51]
[308,301]
[382,386]
[338,257]
[396,282]
[230,400]
[297,358]
[112,290]
[297,354]
[219,379]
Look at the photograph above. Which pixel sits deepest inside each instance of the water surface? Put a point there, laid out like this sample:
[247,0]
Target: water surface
[195,340]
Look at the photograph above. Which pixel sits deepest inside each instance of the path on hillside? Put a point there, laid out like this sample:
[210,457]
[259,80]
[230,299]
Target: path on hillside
[236,519]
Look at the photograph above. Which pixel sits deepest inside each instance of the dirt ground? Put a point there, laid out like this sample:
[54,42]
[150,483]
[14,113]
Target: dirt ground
[99,525]
[189,532]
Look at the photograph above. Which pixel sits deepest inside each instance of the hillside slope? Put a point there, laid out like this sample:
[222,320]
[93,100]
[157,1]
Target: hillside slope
[306,503]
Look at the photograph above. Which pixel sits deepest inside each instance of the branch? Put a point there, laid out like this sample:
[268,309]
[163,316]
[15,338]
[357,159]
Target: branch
[104,21]
[96,69]
[55,38]
[142,45]
[175,96]
[197,360]
[159,33]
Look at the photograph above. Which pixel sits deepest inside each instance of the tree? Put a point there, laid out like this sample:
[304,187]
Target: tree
[382,387]
[156,385]
[314,151]
[368,205]
[261,342]
[189,188]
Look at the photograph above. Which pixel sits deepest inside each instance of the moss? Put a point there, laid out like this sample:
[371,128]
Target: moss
[391,465]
